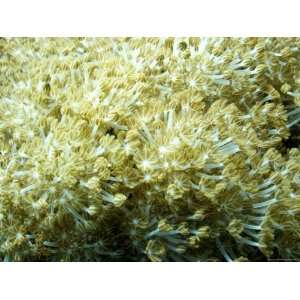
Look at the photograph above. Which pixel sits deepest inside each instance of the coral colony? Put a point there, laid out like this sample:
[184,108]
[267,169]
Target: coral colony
[149,149]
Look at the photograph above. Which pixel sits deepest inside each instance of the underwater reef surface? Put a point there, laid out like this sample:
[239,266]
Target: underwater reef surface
[149,149]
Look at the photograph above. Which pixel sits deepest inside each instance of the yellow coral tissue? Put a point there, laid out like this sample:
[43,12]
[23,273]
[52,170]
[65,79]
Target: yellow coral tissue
[149,149]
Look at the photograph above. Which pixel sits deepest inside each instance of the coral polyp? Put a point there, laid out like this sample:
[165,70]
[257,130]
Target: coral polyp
[149,149]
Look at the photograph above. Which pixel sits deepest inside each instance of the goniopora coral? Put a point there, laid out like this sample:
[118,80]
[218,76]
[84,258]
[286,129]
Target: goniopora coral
[160,149]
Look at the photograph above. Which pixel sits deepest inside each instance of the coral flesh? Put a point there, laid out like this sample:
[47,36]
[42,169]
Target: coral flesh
[149,149]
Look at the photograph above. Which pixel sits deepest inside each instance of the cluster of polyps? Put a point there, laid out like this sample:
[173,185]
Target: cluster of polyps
[147,148]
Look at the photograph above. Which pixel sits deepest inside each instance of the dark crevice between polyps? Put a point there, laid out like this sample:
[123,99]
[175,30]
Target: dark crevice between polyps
[294,140]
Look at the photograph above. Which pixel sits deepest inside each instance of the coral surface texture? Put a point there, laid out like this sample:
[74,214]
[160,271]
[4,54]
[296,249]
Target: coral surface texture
[149,149]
